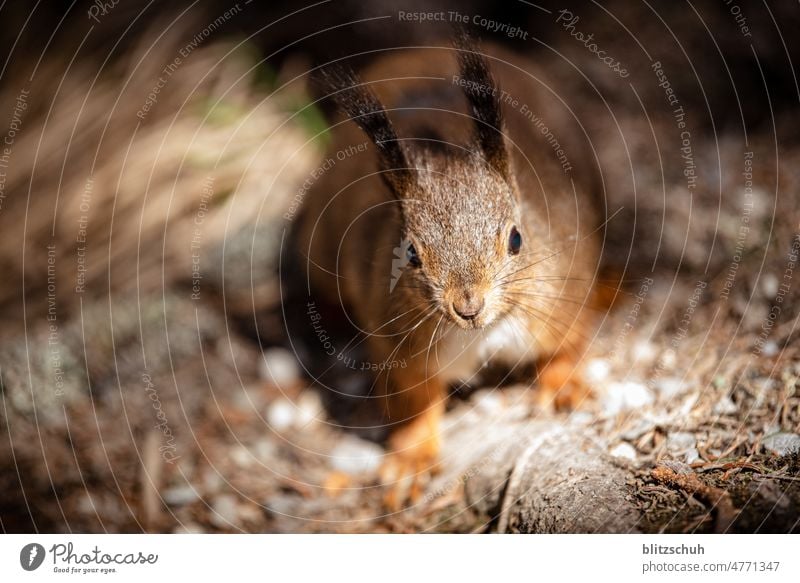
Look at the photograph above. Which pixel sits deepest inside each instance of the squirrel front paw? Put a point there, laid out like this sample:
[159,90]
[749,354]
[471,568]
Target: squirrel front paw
[411,460]
[561,386]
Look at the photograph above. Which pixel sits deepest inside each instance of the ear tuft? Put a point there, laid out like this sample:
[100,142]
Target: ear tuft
[358,102]
[483,95]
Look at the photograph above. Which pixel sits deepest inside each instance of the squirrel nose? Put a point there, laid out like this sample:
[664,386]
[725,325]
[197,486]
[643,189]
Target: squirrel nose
[468,307]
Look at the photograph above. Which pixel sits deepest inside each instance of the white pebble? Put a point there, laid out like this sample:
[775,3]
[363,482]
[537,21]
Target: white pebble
[281,414]
[264,450]
[597,370]
[769,285]
[309,408]
[725,406]
[225,511]
[644,352]
[624,450]
[581,418]
[626,395]
[241,456]
[356,456]
[770,349]
[692,455]
[669,387]
[180,495]
[488,402]
[680,442]
[782,443]
[668,359]
[279,367]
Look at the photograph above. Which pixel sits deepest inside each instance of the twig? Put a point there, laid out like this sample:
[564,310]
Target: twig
[776,477]
[718,498]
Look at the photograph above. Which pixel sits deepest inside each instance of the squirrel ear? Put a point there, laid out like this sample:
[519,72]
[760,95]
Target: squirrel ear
[361,105]
[484,99]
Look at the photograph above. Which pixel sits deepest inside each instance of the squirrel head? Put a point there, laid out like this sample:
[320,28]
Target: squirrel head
[460,210]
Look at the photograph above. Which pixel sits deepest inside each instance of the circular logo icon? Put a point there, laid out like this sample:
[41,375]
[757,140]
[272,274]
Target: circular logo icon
[31,556]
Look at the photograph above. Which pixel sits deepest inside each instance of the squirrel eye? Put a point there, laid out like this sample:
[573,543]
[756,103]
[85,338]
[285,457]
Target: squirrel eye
[514,241]
[413,258]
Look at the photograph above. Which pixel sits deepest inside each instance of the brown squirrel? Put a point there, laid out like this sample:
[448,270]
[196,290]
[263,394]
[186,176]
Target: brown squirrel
[458,237]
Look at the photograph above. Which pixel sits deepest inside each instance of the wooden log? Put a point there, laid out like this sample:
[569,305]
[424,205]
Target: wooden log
[532,476]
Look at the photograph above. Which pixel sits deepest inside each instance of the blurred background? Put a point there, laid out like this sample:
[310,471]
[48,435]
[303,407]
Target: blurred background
[150,153]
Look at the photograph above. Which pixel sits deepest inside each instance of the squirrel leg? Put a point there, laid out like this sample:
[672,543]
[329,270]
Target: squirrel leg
[416,403]
[560,384]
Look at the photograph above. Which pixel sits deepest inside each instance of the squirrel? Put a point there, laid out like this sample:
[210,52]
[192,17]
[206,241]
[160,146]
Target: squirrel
[451,228]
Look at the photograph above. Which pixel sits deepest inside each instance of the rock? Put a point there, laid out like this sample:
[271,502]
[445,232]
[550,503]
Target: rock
[281,414]
[668,387]
[212,481]
[264,450]
[782,443]
[581,418]
[225,512]
[691,456]
[725,406]
[668,359]
[356,456]
[251,513]
[769,285]
[638,427]
[644,352]
[624,450]
[180,495]
[770,349]
[282,504]
[309,409]
[241,456]
[622,396]
[279,367]
[679,442]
